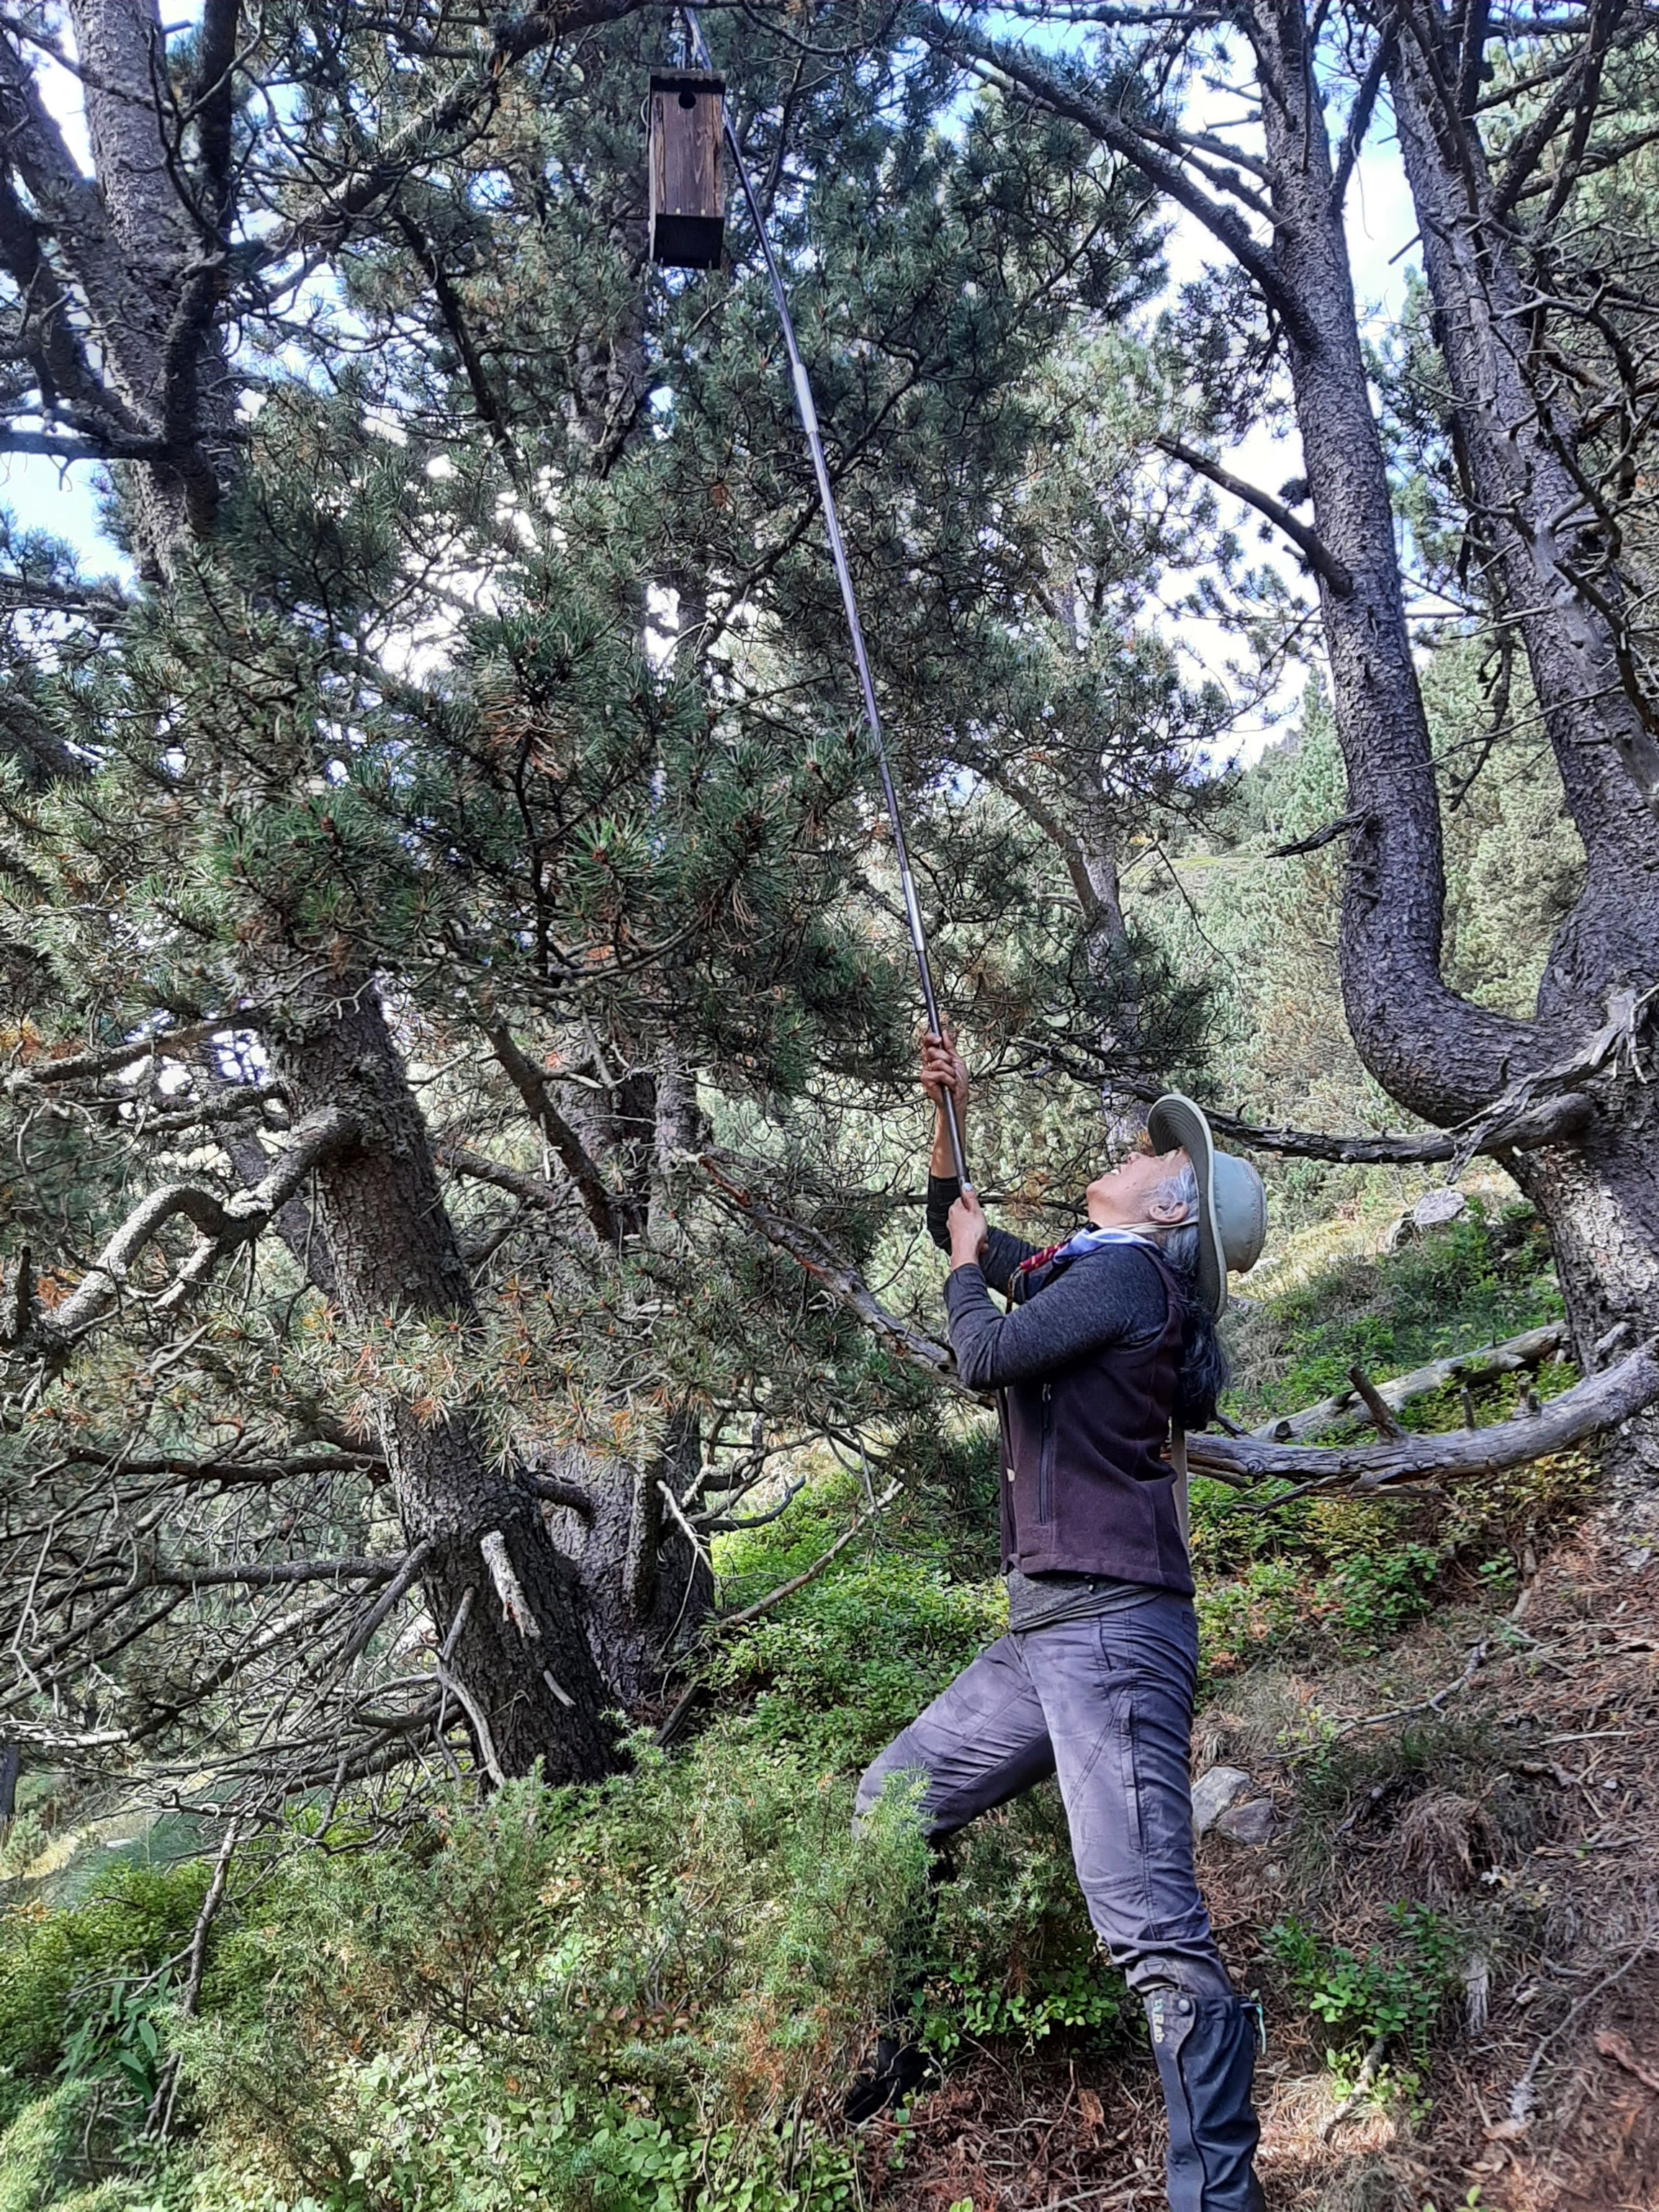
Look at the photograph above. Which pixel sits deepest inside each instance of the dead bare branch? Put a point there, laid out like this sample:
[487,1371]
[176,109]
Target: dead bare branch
[1486,1364]
[224,1226]
[1594,1406]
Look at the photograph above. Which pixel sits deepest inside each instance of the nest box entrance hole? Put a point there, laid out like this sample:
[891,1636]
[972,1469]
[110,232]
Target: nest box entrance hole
[688,199]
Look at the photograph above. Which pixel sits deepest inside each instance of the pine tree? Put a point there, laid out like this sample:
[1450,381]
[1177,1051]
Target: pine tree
[465,823]
[1523,142]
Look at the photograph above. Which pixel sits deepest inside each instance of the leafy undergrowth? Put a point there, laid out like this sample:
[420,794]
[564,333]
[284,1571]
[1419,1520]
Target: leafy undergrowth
[1316,1578]
[646,1998]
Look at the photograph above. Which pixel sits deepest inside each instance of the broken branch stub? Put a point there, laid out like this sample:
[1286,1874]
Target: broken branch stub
[516,1606]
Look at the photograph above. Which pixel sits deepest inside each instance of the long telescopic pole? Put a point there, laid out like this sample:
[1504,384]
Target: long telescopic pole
[809,422]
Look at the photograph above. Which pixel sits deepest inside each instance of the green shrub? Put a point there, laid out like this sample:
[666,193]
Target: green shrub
[83,1988]
[1486,1276]
[856,1657]
[1395,1993]
[590,1990]
[448,2129]
[1013,1950]
[43,2158]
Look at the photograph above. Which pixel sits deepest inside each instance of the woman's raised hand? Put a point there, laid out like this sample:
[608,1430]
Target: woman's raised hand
[943,1068]
[970,1232]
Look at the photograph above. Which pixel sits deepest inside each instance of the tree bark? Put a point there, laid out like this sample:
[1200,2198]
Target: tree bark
[1521,458]
[645,1589]
[123,280]
[506,1605]
[1433,1051]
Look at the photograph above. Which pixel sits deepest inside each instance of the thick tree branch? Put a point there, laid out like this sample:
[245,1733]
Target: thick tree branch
[574,1157]
[558,1490]
[1316,840]
[1530,1349]
[111,445]
[254,1574]
[1364,105]
[48,336]
[1308,542]
[1598,1404]
[454,321]
[230,1471]
[813,1252]
[1524,1126]
[1114,129]
[74,212]
[225,1224]
[296,1222]
[73,1067]
[460,1160]
[102,603]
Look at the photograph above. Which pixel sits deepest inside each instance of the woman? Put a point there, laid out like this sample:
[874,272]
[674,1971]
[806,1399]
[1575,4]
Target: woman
[1109,1337]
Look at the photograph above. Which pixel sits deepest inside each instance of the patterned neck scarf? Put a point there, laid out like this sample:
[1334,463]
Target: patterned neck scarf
[1086,1240]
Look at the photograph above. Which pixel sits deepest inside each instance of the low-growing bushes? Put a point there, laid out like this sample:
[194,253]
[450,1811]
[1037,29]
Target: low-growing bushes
[596,1988]
[1012,1952]
[1392,1992]
[85,1991]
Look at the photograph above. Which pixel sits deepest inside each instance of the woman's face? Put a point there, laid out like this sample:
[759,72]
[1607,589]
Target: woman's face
[1126,1196]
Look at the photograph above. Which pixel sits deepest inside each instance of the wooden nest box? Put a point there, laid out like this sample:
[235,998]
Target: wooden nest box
[688,202]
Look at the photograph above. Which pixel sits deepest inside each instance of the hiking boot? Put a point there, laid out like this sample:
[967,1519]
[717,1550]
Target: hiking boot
[900,2069]
[1205,2052]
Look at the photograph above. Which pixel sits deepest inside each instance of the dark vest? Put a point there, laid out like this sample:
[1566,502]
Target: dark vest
[1086,1486]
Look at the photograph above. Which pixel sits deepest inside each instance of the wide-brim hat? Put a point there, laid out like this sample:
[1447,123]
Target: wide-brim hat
[1232,1206]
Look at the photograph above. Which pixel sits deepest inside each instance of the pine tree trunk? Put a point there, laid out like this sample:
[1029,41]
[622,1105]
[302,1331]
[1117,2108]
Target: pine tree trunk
[1519,452]
[502,1600]
[1600,1204]
[645,1590]
[1599,1201]
[1432,1050]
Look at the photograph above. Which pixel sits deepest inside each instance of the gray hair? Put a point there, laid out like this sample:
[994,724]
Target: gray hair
[1179,1244]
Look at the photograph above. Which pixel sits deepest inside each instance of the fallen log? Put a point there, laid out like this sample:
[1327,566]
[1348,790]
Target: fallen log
[1485,1364]
[1599,1402]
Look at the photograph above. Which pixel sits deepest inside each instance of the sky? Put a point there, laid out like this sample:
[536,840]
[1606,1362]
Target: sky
[62,500]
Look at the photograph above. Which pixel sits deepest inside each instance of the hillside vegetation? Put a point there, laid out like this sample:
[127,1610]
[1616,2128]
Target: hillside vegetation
[651,1994]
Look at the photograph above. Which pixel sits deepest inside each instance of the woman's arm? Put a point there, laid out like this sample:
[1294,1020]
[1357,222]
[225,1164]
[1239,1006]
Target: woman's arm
[1002,1251]
[1114,1296]
[943,1068]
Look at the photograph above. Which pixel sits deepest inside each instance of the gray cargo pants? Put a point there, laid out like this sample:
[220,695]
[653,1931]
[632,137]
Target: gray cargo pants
[1107,1705]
